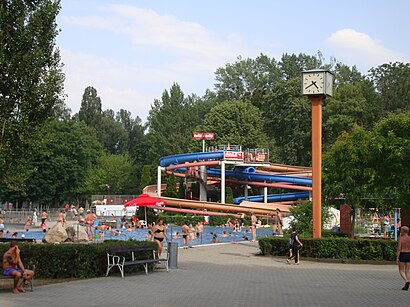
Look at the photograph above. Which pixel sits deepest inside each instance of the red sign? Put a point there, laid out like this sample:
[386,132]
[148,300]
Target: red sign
[198,135]
[233,155]
[209,136]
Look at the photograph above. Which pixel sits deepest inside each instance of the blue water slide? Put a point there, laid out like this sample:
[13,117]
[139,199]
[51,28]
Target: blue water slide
[274,197]
[190,157]
[246,175]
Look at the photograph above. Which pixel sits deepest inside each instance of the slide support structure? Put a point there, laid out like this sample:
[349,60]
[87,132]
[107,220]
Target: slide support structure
[222,182]
[159,170]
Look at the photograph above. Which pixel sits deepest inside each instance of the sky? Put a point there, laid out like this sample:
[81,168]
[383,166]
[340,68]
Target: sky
[133,50]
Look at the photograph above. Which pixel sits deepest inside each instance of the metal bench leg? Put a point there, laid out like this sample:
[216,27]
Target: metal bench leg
[146,268]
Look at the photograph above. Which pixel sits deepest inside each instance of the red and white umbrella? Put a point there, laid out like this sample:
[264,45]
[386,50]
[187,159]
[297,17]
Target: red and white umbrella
[144,200]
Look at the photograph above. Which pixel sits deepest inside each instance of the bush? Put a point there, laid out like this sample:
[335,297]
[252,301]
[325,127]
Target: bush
[72,260]
[334,248]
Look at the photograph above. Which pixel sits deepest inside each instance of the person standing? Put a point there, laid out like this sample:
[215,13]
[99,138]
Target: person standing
[44,217]
[89,223]
[253,226]
[185,234]
[403,256]
[279,220]
[294,245]
[35,216]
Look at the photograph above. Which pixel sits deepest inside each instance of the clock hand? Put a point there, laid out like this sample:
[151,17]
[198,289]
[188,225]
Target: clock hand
[309,86]
[314,83]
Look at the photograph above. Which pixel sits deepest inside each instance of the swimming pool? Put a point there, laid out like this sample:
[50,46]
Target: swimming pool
[141,235]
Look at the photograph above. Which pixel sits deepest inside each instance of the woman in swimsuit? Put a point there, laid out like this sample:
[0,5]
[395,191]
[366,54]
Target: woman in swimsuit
[159,231]
[403,256]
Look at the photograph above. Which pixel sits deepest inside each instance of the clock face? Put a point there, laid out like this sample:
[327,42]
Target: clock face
[329,85]
[313,83]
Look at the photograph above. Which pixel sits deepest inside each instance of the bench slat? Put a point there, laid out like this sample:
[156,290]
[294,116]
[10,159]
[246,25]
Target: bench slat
[125,249]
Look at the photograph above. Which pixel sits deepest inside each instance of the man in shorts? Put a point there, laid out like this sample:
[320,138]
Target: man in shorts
[12,266]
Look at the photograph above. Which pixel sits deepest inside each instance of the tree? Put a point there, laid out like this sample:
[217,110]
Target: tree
[112,136]
[62,164]
[303,216]
[145,177]
[247,79]
[115,170]
[390,152]
[287,119]
[171,190]
[171,122]
[133,128]
[392,83]
[31,83]
[347,170]
[91,107]
[236,122]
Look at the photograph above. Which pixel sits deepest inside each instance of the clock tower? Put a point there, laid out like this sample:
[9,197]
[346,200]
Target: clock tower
[316,85]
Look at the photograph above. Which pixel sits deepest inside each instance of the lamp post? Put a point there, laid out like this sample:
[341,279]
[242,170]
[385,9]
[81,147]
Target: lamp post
[316,85]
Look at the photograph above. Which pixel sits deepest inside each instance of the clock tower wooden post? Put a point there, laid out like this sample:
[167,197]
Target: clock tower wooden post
[316,85]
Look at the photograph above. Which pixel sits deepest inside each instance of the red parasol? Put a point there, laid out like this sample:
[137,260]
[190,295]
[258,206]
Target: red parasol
[145,200]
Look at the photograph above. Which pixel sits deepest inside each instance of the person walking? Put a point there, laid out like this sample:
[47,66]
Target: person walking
[159,232]
[294,246]
[403,256]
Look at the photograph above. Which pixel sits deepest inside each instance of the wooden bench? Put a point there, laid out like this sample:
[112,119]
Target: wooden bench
[5,240]
[114,258]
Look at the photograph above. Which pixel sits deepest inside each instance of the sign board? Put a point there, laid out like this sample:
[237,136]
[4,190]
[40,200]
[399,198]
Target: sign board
[233,155]
[198,135]
[209,136]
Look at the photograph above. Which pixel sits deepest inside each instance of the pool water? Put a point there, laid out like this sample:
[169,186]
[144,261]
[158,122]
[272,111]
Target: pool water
[141,235]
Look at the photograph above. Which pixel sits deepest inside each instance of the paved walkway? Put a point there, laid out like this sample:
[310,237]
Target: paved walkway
[229,275]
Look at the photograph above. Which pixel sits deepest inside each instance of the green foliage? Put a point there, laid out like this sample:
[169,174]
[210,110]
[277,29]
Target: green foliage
[72,260]
[334,248]
[62,164]
[303,216]
[145,177]
[116,171]
[171,122]
[171,190]
[181,188]
[236,122]
[392,82]
[91,108]
[31,84]
[112,136]
[229,195]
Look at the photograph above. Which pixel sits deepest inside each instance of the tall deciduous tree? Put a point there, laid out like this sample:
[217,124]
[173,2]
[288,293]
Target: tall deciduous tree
[112,135]
[236,122]
[390,157]
[91,108]
[145,177]
[62,164]
[171,122]
[132,126]
[348,172]
[116,171]
[392,82]
[31,82]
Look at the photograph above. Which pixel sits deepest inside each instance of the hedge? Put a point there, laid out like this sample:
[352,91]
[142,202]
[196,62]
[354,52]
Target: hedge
[334,248]
[73,260]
